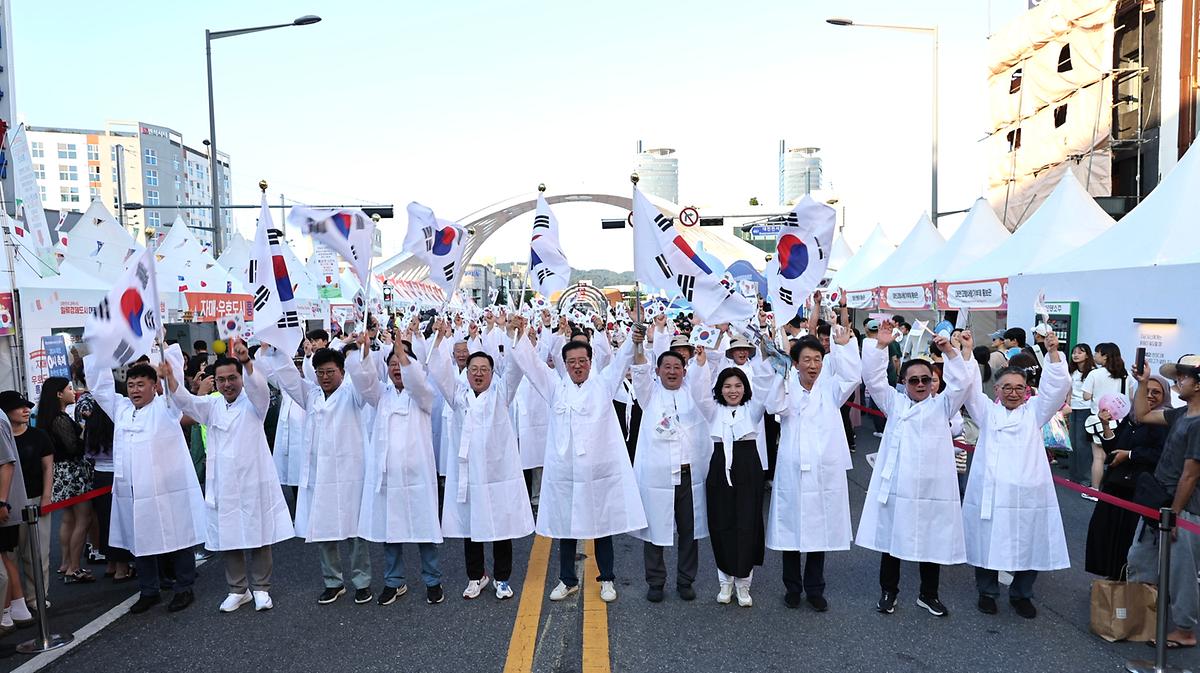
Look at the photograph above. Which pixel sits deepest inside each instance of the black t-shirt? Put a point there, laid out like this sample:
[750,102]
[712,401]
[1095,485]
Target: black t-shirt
[32,446]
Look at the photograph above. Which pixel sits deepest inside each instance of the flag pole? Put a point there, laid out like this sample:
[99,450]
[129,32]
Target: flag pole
[525,277]
[367,290]
[637,286]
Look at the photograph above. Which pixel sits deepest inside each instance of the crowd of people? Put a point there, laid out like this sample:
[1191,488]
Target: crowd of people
[489,427]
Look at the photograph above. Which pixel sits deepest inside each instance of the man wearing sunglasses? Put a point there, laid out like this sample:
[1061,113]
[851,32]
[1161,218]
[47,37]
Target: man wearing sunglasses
[1010,512]
[912,509]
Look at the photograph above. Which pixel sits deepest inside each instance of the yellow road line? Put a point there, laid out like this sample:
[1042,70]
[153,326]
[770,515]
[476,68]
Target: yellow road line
[595,618]
[529,612]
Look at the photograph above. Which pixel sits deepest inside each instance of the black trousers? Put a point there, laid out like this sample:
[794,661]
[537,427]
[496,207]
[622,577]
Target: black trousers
[529,481]
[889,575]
[847,426]
[772,439]
[501,559]
[685,527]
[810,580]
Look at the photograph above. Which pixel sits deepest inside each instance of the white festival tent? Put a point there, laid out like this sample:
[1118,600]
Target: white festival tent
[922,242]
[1066,220]
[873,252]
[979,234]
[183,264]
[309,304]
[839,254]
[1135,283]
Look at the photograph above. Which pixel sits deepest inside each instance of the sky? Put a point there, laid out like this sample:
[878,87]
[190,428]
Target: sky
[462,104]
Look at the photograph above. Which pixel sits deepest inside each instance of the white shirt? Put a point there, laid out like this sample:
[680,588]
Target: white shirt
[1099,383]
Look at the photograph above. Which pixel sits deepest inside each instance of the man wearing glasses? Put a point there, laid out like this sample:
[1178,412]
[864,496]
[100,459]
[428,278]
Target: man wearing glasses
[1010,512]
[912,509]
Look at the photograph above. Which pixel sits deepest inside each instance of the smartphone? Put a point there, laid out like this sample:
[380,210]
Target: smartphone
[1139,365]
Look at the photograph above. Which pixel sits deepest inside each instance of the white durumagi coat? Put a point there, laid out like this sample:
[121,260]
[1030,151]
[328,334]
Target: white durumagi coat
[399,499]
[333,464]
[810,501]
[674,432]
[1010,512]
[588,487]
[533,414]
[289,440]
[157,506]
[243,500]
[912,508]
[485,498]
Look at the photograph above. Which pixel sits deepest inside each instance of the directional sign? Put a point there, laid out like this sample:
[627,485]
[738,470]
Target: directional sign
[689,216]
[766,229]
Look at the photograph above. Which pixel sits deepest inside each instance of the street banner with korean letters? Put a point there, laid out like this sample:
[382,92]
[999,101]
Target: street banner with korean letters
[906,298]
[980,294]
[862,299]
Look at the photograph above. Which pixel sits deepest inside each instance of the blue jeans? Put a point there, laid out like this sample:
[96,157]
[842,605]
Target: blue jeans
[393,556]
[566,560]
[988,583]
[183,563]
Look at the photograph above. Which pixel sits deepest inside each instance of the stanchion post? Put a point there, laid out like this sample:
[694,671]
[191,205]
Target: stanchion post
[45,641]
[1166,526]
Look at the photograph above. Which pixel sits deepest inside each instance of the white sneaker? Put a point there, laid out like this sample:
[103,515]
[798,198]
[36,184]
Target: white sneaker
[474,587]
[608,592]
[743,594]
[878,435]
[503,591]
[235,601]
[262,601]
[562,591]
[726,593]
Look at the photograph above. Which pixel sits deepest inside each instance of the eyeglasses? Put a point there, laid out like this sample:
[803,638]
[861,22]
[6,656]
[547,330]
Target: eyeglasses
[477,371]
[326,373]
[1011,390]
[919,380]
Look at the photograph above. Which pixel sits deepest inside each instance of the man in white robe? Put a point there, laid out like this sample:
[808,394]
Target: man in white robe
[244,503]
[332,471]
[1010,513]
[810,501]
[912,510]
[671,464]
[157,507]
[588,487]
[399,501]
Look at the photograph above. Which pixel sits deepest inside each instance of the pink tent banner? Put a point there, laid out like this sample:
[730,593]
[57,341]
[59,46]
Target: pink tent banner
[906,297]
[980,294]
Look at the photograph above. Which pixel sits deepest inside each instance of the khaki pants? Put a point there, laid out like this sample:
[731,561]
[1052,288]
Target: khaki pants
[259,571]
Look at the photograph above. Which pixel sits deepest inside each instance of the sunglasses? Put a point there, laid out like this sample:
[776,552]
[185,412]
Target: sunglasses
[919,380]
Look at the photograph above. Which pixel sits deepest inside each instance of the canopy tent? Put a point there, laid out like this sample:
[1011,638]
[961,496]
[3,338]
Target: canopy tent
[1068,219]
[309,304]
[839,254]
[183,264]
[1160,231]
[979,234]
[873,252]
[236,255]
[99,245]
[921,243]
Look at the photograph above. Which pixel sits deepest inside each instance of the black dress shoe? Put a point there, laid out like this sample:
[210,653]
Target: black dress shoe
[987,605]
[144,603]
[655,594]
[1024,607]
[180,600]
[686,592]
[818,603]
[793,599]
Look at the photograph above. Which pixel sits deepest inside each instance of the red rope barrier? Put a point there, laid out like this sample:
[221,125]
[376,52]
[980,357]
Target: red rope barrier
[69,502]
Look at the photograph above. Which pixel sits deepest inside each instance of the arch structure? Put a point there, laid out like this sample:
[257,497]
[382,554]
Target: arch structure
[717,241]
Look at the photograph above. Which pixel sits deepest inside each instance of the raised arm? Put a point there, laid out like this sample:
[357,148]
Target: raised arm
[614,372]
[543,379]
[846,371]
[874,370]
[699,380]
[363,376]
[103,387]
[278,365]
[974,397]
[1055,384]
[441,370]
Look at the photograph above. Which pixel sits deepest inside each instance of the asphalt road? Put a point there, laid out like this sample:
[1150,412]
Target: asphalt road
[582,634]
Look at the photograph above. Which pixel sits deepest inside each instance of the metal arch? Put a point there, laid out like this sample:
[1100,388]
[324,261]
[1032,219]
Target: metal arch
[586,295]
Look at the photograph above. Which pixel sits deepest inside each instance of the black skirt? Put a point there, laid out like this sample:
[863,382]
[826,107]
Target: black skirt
[1110,534]
[735,513]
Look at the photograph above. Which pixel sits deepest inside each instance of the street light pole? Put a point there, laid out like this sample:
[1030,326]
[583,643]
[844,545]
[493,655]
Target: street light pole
[213,162]
[932,31]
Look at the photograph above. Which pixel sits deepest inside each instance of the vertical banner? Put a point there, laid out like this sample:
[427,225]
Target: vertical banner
[7,320]
[29,205]
[57,362]
[329,284]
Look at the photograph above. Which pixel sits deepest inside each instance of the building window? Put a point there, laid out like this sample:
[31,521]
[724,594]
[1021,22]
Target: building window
[113,152]
[114,175]
[94,192]
[93,152]
[39,171]
[1064,59]
[1014,83]
[151,177]
[69,194]
[176,183]
[67,172]
[42,192]
[151,197]
[152,218]
[151,157]
[175,164]
[1014,140]
[94,173]
[67,151]
[1060,115]
[37,149]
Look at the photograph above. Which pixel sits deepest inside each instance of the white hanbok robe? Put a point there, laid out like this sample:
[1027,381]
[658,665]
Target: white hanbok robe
[674,432]
[533,414]
[1010,511]
[810,501]
[912,509]
[243,500]
[588,487]
[485,498]
[157,506]
[289,440]
[333,464]
[400,492]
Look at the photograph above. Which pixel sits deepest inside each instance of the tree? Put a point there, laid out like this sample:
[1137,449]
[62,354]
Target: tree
[754,201]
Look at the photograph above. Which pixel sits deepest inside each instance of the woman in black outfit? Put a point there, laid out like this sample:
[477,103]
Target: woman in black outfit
[1130,449]
[72,475]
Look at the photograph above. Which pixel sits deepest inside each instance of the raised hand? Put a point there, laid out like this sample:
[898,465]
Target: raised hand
[841,335]
[886,334]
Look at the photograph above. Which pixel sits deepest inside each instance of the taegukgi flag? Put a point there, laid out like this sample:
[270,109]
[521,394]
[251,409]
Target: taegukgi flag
[663,259]
[439,243]
[548,268]
[126,322]
[349,232]
[275,319]
[801,256]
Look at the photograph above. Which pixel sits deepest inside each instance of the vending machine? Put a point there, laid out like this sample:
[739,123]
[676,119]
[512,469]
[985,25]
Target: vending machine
[1064,320]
